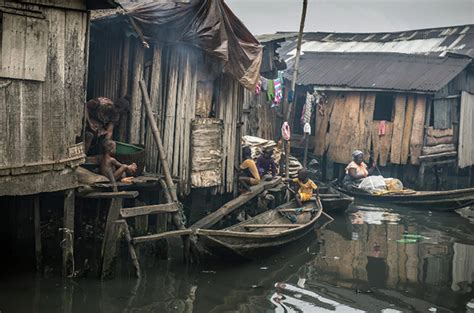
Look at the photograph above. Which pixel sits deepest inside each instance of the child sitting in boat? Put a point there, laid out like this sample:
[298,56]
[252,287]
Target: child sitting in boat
[305,187]
[248,175]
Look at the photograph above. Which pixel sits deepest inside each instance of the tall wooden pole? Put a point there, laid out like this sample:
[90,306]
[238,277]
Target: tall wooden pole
[293,83]
[297,58]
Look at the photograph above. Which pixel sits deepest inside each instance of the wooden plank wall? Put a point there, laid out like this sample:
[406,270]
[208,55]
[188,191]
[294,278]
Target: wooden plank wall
[229,109]
[417,133]
[259,118]
[173,95]
[172,74]
[40,120]
[466,138]
[346,123]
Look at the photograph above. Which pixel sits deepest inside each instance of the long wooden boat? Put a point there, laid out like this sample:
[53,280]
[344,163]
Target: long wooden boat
[426,200]
[333,200]
[263,233]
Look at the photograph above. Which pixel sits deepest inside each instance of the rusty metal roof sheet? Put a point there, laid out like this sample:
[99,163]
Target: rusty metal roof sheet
[382,71]
[434,41]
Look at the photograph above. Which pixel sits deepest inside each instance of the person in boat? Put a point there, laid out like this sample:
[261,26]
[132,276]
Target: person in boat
[265,163]
[356,170]
[248,172]
[110,167]
[306,187]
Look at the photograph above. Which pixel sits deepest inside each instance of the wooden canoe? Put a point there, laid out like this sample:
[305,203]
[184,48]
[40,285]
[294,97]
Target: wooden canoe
[448,200]
[261,234]
[333,200]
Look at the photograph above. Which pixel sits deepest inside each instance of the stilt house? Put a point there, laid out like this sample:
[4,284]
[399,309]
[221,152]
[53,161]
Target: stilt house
[197,59]
[44,46]
[404,98]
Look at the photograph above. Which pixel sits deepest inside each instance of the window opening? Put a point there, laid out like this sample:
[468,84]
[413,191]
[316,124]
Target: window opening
[384,103]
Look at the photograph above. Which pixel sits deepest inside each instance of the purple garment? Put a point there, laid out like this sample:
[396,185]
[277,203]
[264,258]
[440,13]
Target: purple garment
[265,166]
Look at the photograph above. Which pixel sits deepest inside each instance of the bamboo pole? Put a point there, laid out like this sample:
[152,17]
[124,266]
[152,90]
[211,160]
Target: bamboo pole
[305,158]
[297,57]
[159,143]
[293,83]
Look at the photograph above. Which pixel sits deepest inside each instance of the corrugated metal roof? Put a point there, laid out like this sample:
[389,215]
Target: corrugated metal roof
[434,41]
[386,71]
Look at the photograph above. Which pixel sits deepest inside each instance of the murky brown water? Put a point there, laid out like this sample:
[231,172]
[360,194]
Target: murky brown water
[364,263]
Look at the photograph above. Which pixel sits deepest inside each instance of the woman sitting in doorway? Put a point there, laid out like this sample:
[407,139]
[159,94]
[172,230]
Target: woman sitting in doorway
[356,170]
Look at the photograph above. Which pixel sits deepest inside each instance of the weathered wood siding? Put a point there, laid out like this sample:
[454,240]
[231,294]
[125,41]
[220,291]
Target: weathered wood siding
[229,109]
[466,133]
[174,74]
[39,121]
[259,118]
[206,152]
[345,123]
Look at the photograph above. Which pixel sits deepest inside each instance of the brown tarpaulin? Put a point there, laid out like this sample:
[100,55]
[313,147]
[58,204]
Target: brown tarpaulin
[208,25]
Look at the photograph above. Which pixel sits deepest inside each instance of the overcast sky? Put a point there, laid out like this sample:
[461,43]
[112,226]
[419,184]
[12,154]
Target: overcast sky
[269,16]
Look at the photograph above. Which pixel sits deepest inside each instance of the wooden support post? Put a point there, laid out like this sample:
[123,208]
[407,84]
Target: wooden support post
[421,175]
[287,159]
[122,130]
[297,59]
[135,112]
[161,227]
[37,222]
[131,248]
[141,221]
[68,234]
[305,158]
[111,237]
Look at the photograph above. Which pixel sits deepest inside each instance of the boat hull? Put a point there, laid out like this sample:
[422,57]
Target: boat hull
[425,200]
[231,243]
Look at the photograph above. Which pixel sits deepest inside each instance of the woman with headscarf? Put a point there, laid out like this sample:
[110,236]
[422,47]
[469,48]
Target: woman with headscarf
[356,170]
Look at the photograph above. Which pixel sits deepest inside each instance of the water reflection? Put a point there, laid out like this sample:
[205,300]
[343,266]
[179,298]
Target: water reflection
[361,265]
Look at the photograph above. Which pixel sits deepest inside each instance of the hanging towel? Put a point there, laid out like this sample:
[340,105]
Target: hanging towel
[382,128]
[270,90]
[307,108]
[278,91]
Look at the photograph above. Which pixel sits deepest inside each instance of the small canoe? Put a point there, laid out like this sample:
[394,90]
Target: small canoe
[448,200]
[263,233]
[333,200]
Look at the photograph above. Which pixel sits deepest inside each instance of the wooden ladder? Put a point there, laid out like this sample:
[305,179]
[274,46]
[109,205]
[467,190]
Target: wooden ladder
[117,227]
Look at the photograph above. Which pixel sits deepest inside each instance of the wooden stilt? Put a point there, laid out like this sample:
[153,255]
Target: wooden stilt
[109,244]
[141,222]
[131,248]
[37,222]
[421,175]
[68,234]
[287,159]
[305,158]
